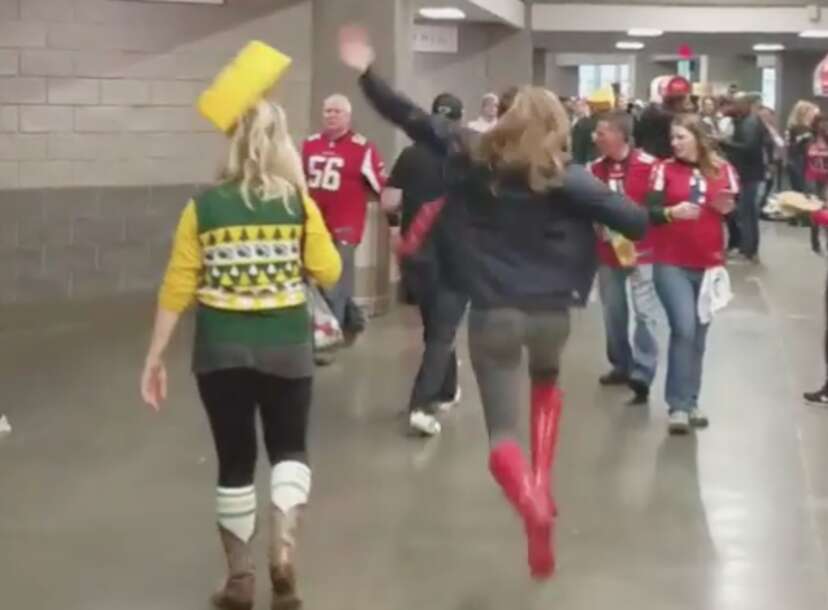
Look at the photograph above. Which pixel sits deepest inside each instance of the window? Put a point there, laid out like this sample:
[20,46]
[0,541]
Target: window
[769,87]
[592,77]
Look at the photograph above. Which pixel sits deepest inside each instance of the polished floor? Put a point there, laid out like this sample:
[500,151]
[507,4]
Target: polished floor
[104,505]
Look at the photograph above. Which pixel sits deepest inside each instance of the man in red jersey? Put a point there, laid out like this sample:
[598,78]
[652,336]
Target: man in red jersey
[627,170]
[343,168]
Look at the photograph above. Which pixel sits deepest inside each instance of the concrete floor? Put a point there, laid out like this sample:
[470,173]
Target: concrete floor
[104,505]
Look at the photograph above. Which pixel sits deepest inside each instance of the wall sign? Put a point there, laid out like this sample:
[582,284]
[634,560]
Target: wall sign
[435,38]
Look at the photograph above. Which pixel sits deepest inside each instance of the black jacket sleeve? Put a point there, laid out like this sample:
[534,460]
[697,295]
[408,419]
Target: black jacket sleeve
[435,131]
[748,137]
[591,198]
[656,208]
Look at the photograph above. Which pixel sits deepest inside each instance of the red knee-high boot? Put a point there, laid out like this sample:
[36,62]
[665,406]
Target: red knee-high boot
[509,468]
[547,405]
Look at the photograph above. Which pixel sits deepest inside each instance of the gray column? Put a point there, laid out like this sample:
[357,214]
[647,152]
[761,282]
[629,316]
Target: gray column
[389,24]
[510,55]
[739,69]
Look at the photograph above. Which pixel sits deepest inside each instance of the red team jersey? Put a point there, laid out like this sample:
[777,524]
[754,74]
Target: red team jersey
[341,174]
[632,178]
[695,244]
[816,167]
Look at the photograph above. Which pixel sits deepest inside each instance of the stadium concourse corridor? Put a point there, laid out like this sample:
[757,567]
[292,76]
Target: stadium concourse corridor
[105,505]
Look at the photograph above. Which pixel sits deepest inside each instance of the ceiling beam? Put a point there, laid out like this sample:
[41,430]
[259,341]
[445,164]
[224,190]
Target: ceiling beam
[512,12]
[708,19]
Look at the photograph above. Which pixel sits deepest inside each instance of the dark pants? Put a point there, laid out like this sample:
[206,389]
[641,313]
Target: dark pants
[748,209]
[734,232]
[441,310]
[232,397]
[796,176]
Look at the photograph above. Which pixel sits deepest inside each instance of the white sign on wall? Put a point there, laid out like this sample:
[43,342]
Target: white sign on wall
[435,38]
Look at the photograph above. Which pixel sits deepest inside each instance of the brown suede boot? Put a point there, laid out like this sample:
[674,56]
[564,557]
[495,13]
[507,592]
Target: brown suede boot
[282,556]
[239,591]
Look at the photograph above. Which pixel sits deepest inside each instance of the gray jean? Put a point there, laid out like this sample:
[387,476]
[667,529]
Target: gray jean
[339,296]
[496,341]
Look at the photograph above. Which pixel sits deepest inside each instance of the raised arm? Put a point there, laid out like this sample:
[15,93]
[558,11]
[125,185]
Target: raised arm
[357,53]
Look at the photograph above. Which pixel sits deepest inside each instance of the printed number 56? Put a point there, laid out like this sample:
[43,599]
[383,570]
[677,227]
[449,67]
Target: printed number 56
[324,173]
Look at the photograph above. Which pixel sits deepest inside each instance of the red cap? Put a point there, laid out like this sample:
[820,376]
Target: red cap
[678,86]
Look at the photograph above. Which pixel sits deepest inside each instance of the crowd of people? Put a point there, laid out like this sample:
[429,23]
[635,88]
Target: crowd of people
[508,219]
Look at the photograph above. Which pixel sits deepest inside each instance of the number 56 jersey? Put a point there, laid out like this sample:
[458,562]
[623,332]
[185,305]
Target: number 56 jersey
[341,175]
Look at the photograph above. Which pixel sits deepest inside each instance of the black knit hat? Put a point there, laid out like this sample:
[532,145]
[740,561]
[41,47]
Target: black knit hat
[449,106]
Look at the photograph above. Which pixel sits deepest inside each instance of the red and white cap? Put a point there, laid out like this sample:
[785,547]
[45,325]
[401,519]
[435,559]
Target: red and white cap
[678,86]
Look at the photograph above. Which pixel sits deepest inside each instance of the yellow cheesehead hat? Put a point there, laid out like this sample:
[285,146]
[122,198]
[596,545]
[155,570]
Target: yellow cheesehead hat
[246,80]
[603,99]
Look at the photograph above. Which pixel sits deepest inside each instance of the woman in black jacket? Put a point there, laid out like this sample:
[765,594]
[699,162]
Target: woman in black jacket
[517,233]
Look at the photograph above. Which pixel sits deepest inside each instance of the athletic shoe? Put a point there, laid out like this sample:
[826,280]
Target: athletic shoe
[450,404]
[614,378]
[325,358]
[642,393]
[820,397]
[698,419]
[424,424]
[679,422]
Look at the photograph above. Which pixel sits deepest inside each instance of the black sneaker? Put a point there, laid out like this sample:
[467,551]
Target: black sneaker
[614,378]
[642,393]
[820,397]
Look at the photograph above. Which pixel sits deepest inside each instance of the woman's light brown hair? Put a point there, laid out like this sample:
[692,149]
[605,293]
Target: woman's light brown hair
[799,114]
[530,138]
[710,163]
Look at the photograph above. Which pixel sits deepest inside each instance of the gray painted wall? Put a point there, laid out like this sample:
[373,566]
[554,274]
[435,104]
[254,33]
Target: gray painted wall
[796,72]
[490,58]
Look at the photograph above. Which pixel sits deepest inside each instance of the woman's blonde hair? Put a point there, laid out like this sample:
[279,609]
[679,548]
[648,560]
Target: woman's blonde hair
[799,114]
[710,163]
[530,138]
[263,160]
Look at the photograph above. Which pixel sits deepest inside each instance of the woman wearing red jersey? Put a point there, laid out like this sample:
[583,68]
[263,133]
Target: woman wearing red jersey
[691,193]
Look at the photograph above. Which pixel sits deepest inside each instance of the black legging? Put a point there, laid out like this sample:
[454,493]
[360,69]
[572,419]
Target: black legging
[232,397]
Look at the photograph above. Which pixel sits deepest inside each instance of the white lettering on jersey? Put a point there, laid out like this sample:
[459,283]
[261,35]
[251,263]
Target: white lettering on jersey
[325,172]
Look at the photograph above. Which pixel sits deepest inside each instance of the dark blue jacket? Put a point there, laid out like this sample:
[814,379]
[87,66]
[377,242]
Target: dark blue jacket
[503,244]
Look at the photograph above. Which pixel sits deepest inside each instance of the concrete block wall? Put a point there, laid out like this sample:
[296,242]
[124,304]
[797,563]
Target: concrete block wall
[82,243]
[98,128]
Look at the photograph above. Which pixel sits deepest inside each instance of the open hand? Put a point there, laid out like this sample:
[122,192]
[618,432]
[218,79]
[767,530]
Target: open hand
[154,383]
[685,211]
[724,202]
[355,48]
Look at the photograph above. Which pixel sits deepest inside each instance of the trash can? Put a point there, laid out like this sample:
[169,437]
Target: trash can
[373,287]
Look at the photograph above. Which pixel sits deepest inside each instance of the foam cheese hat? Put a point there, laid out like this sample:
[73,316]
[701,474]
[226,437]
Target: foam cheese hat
[603,98]
[242,83]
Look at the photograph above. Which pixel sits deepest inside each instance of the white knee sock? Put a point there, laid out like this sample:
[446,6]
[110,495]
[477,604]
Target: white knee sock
[290,485]
[236,508]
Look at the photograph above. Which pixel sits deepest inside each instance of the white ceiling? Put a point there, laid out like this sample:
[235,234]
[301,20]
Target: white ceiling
[473,12]
[715,44]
